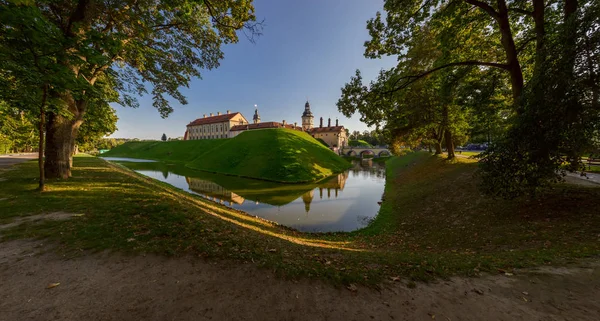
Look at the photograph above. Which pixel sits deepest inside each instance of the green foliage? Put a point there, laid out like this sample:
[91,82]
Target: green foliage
[560,113]
[85,52]
[18,131]
[429,111]
[359,142]
[164,137]
[461,74]
[375,137]
[99,121]
[279,155]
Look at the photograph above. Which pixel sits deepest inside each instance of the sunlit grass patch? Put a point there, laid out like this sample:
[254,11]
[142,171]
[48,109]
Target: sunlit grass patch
[433,223]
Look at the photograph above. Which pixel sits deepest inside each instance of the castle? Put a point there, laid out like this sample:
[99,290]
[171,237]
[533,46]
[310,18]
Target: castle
[229,125]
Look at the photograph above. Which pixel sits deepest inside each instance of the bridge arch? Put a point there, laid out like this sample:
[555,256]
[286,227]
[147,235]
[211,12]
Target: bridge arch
[384,153]
[366,152]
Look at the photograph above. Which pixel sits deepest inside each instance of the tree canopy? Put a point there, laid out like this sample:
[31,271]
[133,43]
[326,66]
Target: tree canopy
[522,72]
[112,51]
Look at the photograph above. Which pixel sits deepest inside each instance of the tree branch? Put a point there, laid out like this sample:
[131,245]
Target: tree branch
[484,6]
[216,20]
[411,79]
[524,44]
[521,11]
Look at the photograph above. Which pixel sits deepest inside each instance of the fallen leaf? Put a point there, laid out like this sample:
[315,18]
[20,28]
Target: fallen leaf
[272,250]
[52,285]
[395,278]
[525,293]
[508,274]
[524,299]
[352,287]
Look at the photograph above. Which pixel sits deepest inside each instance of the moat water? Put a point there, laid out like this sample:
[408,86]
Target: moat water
[346,202]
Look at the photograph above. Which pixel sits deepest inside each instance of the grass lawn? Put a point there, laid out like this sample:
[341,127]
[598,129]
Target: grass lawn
[433,223]
[279,155]
[593,169]
[466,153]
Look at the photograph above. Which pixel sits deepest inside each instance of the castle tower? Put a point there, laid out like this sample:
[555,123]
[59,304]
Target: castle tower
[307,118]
[256,118]
[307,199]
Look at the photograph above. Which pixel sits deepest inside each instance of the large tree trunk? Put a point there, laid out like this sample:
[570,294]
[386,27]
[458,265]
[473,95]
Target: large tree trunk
[60,139]
[449,143]
[438,147]
[512,59]
[540,35]
[42,185]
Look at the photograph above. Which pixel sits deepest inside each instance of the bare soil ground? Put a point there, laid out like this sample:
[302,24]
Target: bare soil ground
[111,286]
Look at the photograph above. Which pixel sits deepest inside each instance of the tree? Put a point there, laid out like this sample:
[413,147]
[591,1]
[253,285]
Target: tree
[424,112]
[99,121]
[546,45]
[115,50]
[28,67]
[560,115]
[164,137]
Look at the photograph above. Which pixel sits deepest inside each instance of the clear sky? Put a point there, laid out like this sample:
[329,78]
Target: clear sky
[309,49]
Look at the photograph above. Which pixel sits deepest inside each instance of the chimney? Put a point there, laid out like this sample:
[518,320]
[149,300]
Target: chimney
[321,123]
[210,114]
[328,122]
[283,122]
[227,111]
[336,123]
[218,113]
[204,115]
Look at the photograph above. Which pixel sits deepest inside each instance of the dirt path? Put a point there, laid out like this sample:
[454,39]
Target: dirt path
[116,287]
[12,159]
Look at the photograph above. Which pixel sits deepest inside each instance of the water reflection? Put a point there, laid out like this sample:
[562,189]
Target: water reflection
[345,202]
[213,191]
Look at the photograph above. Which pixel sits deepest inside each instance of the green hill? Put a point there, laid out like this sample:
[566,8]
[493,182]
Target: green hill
[179,151]
[280,155]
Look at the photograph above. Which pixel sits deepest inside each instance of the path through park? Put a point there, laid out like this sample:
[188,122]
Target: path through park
[38,284]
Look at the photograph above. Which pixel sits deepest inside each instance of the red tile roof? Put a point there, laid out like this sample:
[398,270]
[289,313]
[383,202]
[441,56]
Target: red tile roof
[213,119]
[264,125]
[336,129]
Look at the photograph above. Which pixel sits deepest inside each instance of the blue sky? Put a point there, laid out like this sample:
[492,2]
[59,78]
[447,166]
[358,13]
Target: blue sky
[309,49]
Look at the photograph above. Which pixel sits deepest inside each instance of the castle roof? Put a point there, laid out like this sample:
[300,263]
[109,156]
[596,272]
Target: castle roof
[270,124]
[213,119]
[307,112]
[331,129]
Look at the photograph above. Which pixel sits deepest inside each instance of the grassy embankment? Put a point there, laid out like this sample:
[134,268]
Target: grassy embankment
[433,223]
[278,155]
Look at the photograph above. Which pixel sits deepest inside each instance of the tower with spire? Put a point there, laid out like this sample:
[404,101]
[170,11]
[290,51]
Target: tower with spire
[307,118]
[256,118]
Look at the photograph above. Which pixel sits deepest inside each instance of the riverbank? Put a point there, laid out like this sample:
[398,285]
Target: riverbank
[433,223]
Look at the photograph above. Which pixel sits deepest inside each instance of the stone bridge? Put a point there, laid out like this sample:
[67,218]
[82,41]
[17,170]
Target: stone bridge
[362,151]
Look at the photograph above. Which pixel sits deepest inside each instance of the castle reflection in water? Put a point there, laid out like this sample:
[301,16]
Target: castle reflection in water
[326,189]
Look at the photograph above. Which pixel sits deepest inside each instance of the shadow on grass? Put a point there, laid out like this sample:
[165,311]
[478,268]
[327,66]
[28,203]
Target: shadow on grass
[434,222]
